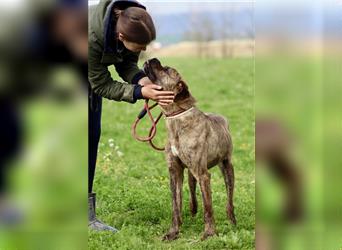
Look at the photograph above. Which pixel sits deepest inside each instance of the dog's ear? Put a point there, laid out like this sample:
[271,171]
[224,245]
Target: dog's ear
[182,91]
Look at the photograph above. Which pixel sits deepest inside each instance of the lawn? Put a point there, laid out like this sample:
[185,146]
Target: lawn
[132,182]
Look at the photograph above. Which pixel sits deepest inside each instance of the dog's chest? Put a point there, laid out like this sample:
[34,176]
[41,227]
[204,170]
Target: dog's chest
[174,150]
[173,138]
[180,139]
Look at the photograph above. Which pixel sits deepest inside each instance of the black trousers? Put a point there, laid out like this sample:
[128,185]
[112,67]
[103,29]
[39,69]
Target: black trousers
[94,133]
[10,139]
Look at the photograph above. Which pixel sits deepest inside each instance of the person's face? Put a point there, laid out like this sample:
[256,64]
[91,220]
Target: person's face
[135,47]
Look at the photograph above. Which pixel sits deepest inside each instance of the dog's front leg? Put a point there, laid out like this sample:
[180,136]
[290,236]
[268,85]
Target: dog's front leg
[176,184]
[199,170]
[193,199]
[204,182]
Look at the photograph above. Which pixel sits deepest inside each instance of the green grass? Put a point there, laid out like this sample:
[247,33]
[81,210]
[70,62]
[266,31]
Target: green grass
[132,181]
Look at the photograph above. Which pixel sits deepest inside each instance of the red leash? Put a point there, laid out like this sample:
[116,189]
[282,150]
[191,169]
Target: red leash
[153,129]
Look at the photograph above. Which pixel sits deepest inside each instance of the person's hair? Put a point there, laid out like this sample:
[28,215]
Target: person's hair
[136,25]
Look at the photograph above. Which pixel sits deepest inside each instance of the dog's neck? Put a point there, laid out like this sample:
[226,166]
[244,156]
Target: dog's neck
[178,106]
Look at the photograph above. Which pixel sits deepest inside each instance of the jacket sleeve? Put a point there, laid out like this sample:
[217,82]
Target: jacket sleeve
[102,83]
[128,69]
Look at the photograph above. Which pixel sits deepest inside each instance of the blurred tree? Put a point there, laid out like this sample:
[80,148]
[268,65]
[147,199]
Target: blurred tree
[226,30]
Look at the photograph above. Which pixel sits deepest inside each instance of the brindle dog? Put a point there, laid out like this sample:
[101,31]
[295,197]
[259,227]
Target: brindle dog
[197,141]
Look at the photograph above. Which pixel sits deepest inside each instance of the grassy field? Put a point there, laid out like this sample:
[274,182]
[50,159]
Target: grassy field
[132,181]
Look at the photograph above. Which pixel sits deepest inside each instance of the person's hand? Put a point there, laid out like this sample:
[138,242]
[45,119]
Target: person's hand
[145,81]
[155,93]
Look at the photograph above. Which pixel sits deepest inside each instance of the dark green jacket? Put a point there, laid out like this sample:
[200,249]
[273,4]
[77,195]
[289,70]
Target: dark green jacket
[105,50]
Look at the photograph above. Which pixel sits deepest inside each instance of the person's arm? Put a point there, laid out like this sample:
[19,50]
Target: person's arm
[103,84]
[128,69]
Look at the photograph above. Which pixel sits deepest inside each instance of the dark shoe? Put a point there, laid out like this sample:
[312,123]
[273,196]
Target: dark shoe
[93,222]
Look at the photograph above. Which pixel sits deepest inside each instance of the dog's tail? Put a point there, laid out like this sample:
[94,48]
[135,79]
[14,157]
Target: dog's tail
[231,182]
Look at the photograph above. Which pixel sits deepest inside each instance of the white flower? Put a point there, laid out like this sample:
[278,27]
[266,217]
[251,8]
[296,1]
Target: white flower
[120,154]
[111,145]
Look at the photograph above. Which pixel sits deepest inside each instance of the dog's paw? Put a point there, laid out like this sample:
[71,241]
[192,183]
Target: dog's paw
[232,219]
[172,235]
[207,234]
[231,216]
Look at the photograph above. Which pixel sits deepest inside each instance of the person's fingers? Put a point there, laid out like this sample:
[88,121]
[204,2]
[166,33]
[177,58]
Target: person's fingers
[165,93]
[165,101]
[166,97]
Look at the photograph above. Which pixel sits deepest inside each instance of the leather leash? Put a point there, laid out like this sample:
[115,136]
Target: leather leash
[153,129]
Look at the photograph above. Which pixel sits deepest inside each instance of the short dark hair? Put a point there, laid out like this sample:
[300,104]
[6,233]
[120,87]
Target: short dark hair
[136,25]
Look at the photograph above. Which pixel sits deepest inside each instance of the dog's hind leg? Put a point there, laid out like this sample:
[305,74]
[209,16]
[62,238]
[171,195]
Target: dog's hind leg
[193,199]
[227,170]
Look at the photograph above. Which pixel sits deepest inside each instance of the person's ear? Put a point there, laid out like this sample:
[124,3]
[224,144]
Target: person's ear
[121,37]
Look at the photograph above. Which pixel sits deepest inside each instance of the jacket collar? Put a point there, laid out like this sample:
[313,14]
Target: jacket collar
[111,43]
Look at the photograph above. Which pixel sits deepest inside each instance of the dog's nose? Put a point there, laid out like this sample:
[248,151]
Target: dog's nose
[154,61]
[145,66]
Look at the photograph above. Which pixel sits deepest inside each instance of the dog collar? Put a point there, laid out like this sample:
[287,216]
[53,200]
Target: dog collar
[178,114]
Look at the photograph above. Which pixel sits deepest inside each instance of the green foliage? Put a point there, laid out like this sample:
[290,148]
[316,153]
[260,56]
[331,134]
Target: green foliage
[132,180]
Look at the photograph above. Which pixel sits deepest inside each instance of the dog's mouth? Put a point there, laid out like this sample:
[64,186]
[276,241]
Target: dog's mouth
[149,72]
[149,68]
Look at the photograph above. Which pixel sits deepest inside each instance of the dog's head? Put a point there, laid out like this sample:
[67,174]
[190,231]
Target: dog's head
[166,77]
